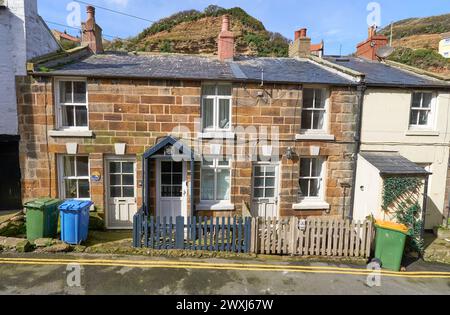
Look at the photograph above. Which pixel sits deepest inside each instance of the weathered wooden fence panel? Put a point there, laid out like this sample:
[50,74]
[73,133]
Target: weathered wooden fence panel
[312,237]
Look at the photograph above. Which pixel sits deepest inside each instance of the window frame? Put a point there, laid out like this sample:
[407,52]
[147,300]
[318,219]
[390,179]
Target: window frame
[59,106]
[62,178]
[322,180]
[172,173]
[432,111]
[110,185]
[215,167]
[325,128]
[275,187]
[216,107]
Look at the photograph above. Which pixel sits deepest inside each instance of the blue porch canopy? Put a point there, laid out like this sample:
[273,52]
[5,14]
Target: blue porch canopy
[168,147]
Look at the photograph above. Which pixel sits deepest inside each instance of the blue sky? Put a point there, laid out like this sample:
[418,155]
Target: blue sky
[339,23]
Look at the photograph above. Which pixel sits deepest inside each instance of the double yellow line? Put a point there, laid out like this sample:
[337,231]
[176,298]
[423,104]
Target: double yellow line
[149,264]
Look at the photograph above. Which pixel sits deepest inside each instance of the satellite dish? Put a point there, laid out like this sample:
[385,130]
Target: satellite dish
[384,52]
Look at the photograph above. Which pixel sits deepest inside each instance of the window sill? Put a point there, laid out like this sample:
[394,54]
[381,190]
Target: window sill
[215,207]
[217,135]
[423,133]
[71,133]
[311,205]
[315,136]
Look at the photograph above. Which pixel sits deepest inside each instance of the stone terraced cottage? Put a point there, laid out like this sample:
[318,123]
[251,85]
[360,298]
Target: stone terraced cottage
[86,120]
[191,135]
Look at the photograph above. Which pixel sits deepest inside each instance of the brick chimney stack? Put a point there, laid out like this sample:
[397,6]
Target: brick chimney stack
[226,41]
[301,47]
[92,33]
[368,48]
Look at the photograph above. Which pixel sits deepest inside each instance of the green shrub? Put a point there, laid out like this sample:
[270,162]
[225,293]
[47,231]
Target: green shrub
[165,46]
[421,58]
[400,195]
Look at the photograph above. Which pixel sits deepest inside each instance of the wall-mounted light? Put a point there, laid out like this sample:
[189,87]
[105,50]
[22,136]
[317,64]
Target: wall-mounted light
[290,153]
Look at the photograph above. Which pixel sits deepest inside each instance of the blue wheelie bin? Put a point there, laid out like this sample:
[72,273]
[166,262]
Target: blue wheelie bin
[75,221]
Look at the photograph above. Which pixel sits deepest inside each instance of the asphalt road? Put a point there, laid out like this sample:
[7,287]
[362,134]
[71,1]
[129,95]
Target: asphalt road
[137,275]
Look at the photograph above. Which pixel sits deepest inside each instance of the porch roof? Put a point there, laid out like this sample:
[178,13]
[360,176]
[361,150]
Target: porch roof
[392,163]
[184,149]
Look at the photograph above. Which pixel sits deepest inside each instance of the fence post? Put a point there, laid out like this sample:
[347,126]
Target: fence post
[136,231]
[292,248]
[179,230]
[253,237]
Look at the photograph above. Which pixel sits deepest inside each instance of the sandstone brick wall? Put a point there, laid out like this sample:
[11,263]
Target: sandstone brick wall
[139,112]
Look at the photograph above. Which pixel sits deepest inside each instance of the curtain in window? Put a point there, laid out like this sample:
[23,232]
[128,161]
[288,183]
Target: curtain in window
[223,184]
[79,92]
[65,92]
[81,116]
[208,113]
[69,166]
[207,184]
[224,114]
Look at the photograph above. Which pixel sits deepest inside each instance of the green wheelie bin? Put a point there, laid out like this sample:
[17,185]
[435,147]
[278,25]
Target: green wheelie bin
[42,218]
[390,244]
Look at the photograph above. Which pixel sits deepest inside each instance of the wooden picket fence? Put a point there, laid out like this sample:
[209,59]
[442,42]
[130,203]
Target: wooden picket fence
[312,237]
[271,236]
[192,233]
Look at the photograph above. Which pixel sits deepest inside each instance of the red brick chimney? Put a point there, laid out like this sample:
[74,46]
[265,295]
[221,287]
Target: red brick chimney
[369,47]
[226,41]
[301,47]
[92,33]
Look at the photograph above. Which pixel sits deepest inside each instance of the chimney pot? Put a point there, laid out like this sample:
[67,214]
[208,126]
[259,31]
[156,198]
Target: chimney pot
[301,33]
[372,31]
[301,47]
[90,12]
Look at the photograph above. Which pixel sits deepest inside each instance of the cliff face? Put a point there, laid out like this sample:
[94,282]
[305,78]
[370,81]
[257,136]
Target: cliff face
[195,32]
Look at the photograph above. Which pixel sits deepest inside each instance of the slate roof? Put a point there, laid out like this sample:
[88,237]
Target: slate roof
[381,74]
[392,163]
[195,67]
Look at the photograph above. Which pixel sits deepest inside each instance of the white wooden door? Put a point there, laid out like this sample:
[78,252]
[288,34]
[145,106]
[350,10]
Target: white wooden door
[121,198]
[265,190]
[172,189]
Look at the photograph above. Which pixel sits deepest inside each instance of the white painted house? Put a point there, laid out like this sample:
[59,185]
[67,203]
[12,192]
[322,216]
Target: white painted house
[415,123]
[405,117]
[23,36]
[444,45]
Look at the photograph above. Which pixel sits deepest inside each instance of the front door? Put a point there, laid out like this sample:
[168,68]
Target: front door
[121,198]
[171,189]
[265,190]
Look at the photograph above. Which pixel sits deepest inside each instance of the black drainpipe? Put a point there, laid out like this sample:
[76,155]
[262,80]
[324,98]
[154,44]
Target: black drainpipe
[361,90]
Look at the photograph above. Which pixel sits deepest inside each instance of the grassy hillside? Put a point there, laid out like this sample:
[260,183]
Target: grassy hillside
[419,26]
[416,42]
[196,32]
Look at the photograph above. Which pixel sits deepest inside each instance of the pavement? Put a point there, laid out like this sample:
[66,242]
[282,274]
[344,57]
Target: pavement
[129,275]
